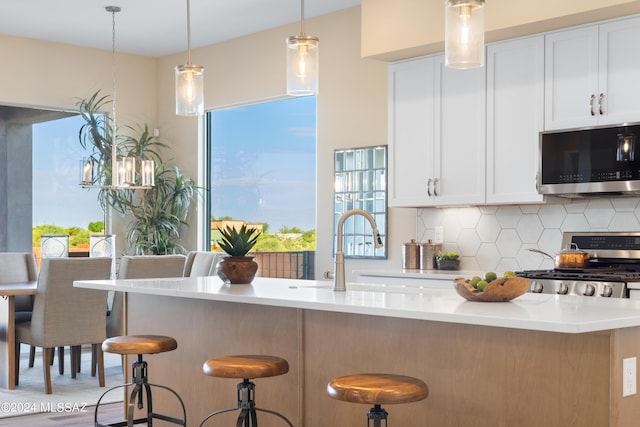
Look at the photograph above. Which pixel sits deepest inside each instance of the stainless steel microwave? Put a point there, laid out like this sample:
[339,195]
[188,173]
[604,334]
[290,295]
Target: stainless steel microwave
[588,162]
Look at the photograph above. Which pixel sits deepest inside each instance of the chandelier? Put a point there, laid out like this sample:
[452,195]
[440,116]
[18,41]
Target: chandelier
[127,171]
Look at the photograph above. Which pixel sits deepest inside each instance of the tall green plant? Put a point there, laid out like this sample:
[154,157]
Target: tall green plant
[159,213]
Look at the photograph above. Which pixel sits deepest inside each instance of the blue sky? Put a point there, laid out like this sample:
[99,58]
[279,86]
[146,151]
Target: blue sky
[264,167]
[265,163]
[57,196]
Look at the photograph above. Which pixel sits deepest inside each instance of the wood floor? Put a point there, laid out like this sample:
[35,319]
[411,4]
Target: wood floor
[109,413]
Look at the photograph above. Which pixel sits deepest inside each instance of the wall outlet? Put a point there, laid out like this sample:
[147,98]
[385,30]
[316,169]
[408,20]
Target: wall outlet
[438,234]
[628,376]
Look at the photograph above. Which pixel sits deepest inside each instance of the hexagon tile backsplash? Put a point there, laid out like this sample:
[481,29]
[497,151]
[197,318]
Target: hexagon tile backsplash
[497,237]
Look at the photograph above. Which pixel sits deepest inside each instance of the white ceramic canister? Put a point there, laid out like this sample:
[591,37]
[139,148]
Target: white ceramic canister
[428,253]
[411,255]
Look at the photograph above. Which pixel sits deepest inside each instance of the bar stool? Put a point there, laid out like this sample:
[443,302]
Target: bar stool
[139,345]
[376,390]
[246,368]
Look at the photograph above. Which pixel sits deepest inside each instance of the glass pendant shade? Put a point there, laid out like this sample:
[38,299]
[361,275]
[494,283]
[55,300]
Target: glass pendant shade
[464,33]
[302,65]
[148,173]
[189,90]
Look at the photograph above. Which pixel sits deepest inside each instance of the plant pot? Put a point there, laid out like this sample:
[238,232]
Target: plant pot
[237,269]
[448,264]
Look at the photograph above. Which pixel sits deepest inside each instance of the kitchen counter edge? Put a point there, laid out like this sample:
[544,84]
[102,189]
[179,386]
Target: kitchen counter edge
[538,312]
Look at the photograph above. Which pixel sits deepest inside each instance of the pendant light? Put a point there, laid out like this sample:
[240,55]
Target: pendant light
[464,33]
[302,62]
[123,171]
[189,81]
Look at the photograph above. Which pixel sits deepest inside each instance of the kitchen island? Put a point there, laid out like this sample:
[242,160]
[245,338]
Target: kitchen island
[540,360]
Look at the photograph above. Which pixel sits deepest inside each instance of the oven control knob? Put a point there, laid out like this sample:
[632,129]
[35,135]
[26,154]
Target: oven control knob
[607,291]
[563,289]
[589,290]
[537,287]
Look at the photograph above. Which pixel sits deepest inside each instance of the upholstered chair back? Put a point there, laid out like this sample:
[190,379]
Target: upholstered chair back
[19,267]
[151,266]
[64,315]
[200,264]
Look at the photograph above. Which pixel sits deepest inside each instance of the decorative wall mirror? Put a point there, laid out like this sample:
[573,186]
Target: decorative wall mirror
[360,182]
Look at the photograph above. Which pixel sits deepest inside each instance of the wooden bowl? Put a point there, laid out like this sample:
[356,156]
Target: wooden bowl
[500,290]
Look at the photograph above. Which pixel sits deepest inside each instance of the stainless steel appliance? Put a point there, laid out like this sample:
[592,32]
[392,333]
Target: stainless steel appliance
[614,267]
[597,161]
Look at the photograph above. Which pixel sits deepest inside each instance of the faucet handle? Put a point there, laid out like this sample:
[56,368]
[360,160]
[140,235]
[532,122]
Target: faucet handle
[377,238]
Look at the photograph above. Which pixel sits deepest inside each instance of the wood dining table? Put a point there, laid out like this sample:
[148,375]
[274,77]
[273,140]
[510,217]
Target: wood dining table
[8,292]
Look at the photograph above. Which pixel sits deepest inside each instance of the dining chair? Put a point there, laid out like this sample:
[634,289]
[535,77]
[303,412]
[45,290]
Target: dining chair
[66,316]
[200,263]
[19,267]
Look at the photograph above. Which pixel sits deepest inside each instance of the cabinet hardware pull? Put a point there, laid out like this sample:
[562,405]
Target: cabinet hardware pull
[600,103]
[429,187]
[435,190]
[593,98]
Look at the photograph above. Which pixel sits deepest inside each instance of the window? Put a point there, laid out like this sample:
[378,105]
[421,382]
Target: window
[60,204]
[262,170]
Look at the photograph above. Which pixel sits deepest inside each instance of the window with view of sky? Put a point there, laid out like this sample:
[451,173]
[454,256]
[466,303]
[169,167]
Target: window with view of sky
[58,199]
[263,163]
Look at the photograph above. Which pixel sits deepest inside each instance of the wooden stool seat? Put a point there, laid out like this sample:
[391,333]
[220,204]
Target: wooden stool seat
[139,344]
[377,389]
[245,366]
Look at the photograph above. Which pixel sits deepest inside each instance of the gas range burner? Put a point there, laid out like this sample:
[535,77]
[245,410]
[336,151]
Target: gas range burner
[588,274]
[614,263]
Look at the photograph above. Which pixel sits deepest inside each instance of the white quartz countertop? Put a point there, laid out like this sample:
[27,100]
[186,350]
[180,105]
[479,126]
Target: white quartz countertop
[540,312]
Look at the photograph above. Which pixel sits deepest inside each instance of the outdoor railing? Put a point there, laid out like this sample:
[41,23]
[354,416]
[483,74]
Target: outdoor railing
[286,265]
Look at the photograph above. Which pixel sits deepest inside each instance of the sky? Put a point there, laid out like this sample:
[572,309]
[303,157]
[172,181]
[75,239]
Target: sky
[263,168]
[57,196]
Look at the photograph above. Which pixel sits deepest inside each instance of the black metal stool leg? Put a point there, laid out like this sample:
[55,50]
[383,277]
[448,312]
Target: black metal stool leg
[376,416]
[140,381]
[246,404]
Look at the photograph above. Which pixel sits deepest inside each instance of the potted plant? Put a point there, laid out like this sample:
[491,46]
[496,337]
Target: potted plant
[237,267]
[158,214]
[448,261]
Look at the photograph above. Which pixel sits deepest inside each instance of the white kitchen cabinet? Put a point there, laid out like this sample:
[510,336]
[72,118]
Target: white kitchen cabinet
[591,75]
[459,158]
[411,134]
[515,113]
[436,137]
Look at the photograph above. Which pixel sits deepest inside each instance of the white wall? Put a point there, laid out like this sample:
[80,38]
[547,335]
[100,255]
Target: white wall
[52,75]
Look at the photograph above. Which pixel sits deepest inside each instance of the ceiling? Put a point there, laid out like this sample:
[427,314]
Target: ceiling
[154,27]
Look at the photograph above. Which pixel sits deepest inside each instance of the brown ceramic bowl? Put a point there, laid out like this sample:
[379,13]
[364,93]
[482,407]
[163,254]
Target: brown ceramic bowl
[500,290]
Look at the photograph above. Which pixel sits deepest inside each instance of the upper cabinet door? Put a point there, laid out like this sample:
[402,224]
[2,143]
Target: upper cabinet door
[411,134]
[591,75]
[619,79]
[515,105]
[571,78]
[459,135]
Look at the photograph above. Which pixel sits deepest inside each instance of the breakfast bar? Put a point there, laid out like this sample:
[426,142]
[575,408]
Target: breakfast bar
[537,360]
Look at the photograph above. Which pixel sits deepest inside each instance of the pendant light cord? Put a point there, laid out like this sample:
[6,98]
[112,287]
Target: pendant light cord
[114,140]
[188,32]
[113,75]
[302,17]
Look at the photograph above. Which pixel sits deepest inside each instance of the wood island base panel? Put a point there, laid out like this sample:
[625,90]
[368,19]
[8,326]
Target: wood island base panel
[478,375]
